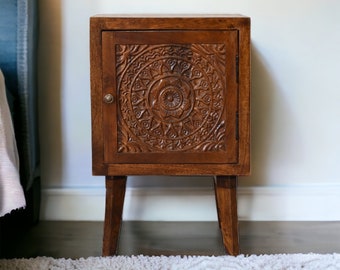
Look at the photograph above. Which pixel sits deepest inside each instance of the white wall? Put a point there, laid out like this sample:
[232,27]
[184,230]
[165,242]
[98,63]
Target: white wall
[295,113]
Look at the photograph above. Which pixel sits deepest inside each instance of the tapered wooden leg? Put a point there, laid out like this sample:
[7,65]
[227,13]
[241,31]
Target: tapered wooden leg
[226,203]
[115,193]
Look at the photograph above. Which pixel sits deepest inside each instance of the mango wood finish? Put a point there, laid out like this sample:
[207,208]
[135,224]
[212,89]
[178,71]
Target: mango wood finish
[170,96]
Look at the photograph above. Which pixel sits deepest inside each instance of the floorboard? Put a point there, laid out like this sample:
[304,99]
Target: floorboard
[84,239]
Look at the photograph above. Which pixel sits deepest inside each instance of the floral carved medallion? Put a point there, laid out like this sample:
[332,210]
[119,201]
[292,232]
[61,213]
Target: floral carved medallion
[171,97]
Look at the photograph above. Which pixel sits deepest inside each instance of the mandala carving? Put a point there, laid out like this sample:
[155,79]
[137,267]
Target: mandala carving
[171,97]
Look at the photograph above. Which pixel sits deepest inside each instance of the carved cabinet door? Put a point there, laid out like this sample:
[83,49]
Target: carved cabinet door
[171,96]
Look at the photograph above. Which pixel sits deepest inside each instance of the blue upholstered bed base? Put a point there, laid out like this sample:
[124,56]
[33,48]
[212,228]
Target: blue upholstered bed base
[18,51]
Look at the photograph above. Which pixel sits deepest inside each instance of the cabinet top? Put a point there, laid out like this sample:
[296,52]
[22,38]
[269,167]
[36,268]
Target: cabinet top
[153,16]
[168,21]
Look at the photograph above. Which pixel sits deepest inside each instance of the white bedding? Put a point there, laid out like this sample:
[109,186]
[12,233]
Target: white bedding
[11,192]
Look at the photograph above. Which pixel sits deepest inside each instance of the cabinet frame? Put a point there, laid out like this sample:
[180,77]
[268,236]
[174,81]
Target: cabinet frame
[102,23]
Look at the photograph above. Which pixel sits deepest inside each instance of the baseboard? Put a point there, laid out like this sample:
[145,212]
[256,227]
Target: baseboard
[283,203]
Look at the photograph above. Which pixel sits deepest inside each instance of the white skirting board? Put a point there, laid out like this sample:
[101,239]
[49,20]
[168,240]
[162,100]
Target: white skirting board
[281,203]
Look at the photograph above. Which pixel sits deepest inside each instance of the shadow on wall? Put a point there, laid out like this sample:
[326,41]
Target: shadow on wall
[49,84]
[265,95]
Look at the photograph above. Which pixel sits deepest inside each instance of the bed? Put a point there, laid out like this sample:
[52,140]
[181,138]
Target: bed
[19,146]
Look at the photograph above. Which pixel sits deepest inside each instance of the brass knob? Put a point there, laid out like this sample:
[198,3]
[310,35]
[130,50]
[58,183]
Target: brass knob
[108,98]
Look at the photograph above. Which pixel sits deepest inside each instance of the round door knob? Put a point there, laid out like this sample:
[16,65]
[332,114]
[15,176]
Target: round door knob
[108,98]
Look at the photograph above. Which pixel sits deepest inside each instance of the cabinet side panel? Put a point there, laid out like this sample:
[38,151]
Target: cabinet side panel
[96,104]
[244,96]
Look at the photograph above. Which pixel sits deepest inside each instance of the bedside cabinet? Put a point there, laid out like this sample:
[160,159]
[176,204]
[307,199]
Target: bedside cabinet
[170,95]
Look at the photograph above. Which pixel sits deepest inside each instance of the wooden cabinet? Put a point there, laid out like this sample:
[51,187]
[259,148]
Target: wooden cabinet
[170,96]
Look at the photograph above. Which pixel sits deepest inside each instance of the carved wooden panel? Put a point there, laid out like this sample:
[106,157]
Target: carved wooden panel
[171,97]
[175,96]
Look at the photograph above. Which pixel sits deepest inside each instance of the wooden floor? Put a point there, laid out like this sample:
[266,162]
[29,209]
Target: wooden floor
[84,239]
